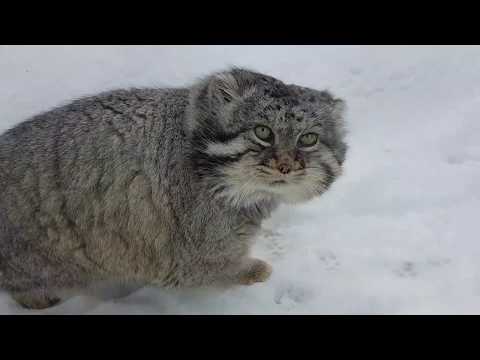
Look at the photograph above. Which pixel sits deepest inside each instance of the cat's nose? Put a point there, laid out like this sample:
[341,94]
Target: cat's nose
[284,168]
[284,163]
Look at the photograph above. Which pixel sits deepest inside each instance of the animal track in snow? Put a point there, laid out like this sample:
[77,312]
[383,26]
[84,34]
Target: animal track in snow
[356,71]
[407,269]
[290,295]
[273,243]
[328,260]
[411,269]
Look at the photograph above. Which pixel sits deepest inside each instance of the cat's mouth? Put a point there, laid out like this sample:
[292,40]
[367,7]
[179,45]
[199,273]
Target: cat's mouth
[278,182]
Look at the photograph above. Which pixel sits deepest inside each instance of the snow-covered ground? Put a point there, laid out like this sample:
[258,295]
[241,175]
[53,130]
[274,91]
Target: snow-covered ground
[398,234]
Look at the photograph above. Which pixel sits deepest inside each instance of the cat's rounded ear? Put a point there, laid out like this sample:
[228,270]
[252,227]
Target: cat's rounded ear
[209,98]
[226,87]
[339,108]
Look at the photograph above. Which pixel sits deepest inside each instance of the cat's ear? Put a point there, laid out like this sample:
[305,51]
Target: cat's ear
[230,86]
[224,88]
[339,108]
[211,97]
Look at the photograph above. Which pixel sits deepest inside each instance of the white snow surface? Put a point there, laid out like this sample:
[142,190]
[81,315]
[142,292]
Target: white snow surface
[397,234]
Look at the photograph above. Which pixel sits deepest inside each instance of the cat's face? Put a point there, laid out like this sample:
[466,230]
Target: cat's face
[268,140]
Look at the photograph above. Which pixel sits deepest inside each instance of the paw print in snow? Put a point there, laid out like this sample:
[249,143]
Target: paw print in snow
[407,269]
[290,296]
[273,243]
[412,269]
[329,260]
[439,262]
[356,71]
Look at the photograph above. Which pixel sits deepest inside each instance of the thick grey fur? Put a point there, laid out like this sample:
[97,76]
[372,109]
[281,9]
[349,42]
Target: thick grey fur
[123,186]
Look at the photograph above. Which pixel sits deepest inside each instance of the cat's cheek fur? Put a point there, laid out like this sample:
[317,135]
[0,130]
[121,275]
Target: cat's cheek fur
[243,187]
[233,147]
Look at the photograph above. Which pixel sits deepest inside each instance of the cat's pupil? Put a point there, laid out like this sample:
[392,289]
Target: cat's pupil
[263,132]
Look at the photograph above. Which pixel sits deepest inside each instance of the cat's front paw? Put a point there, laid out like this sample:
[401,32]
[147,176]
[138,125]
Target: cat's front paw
[35,300]
[256,271]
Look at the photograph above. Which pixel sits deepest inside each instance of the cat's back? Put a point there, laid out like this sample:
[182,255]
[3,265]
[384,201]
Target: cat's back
[124,106]
[89,128]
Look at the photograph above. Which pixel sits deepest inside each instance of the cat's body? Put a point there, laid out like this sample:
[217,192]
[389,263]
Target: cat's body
[138,186]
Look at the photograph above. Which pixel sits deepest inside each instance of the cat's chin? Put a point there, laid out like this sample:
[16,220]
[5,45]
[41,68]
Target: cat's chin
[286,192]
[278,183]
[293,199]
[292,194]
[277,191]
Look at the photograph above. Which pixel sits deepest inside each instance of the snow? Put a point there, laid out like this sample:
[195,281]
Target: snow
[397,234]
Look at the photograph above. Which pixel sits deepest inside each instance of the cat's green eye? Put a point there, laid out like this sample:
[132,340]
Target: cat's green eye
[308,139]
[263,133]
